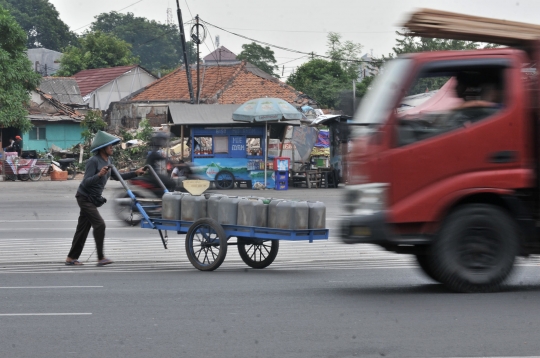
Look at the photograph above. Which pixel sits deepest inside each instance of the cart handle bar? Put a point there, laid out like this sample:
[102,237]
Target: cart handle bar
[132,196]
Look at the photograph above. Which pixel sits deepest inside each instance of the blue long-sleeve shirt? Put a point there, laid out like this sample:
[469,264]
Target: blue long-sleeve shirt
[92,184]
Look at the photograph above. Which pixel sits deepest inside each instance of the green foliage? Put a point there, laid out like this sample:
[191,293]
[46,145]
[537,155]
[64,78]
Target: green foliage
[41,22]
[347,53]
[322,80]
[157,45]
[262,57]
[92,123]
[96,50]
[412,44]
[363,86]
[17,79]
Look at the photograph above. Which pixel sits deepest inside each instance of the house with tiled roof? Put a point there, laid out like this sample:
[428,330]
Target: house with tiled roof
[101,86]
[223,84]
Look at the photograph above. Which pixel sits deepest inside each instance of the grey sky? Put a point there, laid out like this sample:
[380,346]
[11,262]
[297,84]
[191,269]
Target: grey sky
[297,24]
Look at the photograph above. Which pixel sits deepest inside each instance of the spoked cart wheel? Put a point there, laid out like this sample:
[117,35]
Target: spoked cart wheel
[206,244]
[258,253]
[34,173]
[224,180]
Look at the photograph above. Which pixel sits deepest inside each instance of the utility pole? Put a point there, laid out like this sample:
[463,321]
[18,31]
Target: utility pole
[283,71]
[353,95]
[198,62]
[183,43]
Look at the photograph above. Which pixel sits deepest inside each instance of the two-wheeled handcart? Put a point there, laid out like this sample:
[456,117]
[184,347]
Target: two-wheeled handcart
[206,240]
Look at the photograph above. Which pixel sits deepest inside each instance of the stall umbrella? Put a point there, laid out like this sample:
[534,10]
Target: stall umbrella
[266,110]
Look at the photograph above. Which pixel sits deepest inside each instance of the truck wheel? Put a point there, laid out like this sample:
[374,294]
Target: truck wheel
[425,263]
[475,249]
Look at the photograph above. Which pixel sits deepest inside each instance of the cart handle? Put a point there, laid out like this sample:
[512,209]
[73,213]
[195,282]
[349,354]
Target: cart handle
[158,179]
[132,196]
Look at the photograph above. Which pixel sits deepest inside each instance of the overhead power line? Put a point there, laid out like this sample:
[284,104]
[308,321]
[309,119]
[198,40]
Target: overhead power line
[135,3]
[285,48]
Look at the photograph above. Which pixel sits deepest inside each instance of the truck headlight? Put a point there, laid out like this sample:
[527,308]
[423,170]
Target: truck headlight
[366,199]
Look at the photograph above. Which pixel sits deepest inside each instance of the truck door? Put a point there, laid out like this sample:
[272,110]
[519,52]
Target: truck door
[455,120]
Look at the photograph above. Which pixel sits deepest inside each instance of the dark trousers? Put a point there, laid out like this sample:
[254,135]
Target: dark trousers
[89,217]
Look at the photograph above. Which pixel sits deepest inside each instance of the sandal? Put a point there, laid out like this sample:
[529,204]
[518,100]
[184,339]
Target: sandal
[104,262]
[74,263]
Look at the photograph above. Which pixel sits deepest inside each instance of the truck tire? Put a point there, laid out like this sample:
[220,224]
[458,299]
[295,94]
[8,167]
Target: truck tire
[475,249]
[425,263]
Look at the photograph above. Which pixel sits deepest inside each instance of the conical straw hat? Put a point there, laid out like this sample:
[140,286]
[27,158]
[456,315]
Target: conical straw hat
[103,139]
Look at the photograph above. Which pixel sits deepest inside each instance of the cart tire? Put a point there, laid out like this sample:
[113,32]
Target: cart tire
[24,177]
[224,180]
[72,171]
[206,240]
[258,253]
[34,173]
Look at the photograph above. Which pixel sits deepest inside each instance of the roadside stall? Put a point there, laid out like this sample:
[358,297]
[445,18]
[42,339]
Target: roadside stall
[224,151]
[338,138]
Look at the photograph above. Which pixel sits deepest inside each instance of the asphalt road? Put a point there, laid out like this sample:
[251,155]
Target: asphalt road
[317,300]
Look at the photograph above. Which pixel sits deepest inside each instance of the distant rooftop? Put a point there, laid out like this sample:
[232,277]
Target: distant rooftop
[64,89]
[44,61]
[90,80]
[221,54]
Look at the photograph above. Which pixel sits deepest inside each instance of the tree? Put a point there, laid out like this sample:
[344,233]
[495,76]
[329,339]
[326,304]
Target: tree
[347,53]
[95,50]
[320,79]
[157,45]
[41,22]
[412,44]
[262,57]
[17,79]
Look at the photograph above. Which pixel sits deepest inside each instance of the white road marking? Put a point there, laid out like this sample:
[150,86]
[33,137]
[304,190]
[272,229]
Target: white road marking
[45,314]
[53,287]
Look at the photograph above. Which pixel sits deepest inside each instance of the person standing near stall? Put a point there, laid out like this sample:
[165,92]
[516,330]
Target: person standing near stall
[89,197]
[18,145]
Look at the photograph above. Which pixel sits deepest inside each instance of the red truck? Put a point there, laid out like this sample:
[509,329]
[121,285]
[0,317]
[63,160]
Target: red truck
[454,179]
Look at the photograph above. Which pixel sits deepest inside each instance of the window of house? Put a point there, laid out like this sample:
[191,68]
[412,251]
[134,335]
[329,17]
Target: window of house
[38,133]
[253,146]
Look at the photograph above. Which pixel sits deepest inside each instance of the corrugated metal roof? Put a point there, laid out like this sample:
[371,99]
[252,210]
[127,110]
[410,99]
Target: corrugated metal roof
[190,114]
[64,89]
[56,118]
[207,114]
[90,80]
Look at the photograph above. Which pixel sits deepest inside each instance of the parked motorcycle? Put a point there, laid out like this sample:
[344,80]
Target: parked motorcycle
[67,164]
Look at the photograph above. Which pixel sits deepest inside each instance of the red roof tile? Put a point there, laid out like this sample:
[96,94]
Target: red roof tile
[90,80]
[225,84]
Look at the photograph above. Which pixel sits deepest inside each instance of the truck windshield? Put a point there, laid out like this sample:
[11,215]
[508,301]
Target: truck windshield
[380,99]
